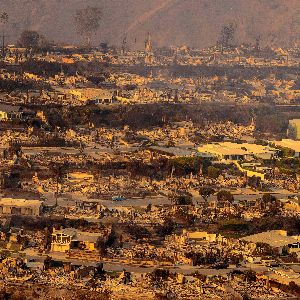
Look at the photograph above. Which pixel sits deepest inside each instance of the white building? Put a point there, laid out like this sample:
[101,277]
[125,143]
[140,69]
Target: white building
[11,206]
[291,144]
[277,239]
[235,151]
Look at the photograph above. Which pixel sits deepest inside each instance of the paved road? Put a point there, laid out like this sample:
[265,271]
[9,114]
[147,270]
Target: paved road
[155,200]
[138,268]
[94,151]
[68,200]
[182,269]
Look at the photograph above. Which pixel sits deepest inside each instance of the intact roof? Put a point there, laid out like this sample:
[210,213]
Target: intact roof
[291,144]
[19,202]
[176,151]
[9,108]
[229,148]
[272,237]
[87,237]
[294,121]
[35,264]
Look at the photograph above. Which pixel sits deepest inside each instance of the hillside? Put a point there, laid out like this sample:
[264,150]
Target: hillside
[171,22]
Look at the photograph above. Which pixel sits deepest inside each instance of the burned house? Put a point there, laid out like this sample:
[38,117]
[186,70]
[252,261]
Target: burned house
[9,112]
[68,239]
[13,113]
[12,206]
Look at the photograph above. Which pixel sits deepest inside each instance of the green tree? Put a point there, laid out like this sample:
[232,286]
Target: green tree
[206,192]
[268,198]
[223,196]
[287,152]
[254,181]
[213,172]
[159,275]
[250,275]
[271,202]
[166,228]
[182,198]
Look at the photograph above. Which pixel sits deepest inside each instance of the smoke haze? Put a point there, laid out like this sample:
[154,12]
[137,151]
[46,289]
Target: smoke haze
[196,23]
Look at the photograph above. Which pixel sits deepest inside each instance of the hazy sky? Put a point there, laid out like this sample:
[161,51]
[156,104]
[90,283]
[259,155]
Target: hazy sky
[171,22]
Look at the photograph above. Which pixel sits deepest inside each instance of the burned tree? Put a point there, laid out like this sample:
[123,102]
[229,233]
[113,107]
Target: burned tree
[87,22]
[3,21]
[29,39]
[59,170]
[4,17]
[227,36]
